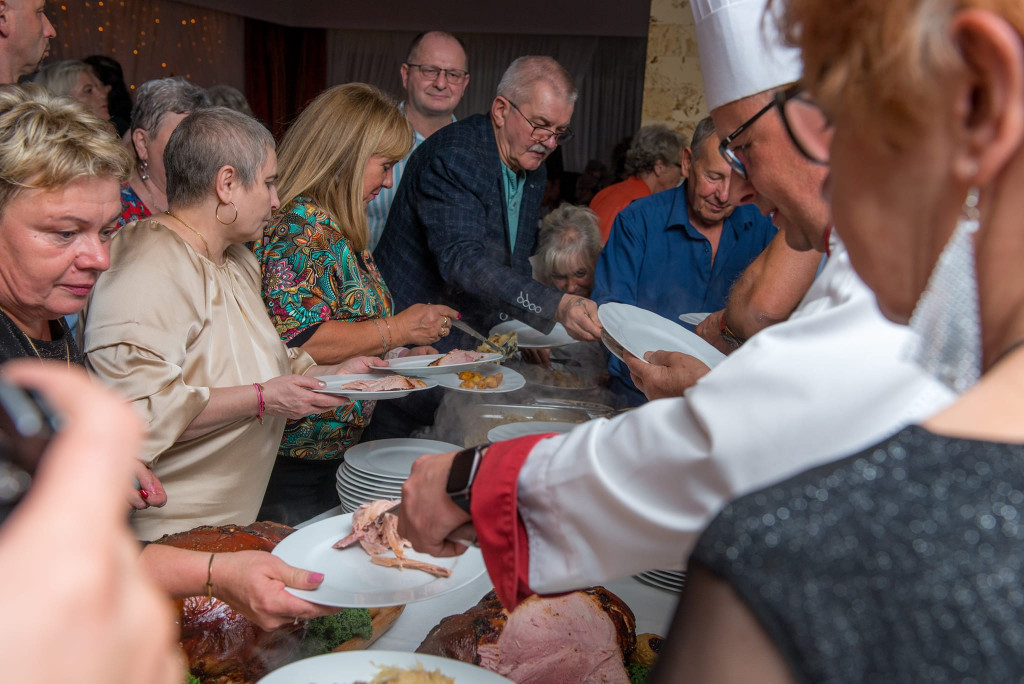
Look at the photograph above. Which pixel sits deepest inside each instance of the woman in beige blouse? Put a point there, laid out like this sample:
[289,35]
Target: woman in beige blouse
[177,324]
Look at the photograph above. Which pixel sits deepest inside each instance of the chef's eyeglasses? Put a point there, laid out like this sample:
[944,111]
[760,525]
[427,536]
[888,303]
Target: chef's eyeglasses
[805,122]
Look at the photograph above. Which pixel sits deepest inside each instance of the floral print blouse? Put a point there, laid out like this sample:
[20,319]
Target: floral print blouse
[311,274]
[132,208]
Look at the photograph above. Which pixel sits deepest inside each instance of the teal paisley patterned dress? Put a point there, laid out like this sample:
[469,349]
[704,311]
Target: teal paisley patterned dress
[311,274]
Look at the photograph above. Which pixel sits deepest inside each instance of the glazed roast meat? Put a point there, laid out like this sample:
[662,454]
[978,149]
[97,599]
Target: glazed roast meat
[222,645]
[582,636]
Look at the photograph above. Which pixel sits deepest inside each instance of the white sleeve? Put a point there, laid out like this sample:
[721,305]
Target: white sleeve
[616,497]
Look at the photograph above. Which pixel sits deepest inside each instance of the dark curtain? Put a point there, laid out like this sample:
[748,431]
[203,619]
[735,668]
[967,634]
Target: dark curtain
[286,68]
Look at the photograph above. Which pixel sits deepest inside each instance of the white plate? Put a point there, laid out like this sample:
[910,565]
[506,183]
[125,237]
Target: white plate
[350,666]
[335,382]
[641,331]
[693,318]
[420,365]
[510,380]
[393,457]
[531,338]
[539,427]
[352,581]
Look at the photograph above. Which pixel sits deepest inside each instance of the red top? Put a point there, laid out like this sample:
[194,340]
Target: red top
[494,505]
[609,202]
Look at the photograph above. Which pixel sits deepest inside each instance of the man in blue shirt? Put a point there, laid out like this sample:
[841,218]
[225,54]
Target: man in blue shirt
[679,251]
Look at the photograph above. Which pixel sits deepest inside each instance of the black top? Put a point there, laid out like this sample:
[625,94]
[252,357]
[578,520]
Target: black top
[15,344]
[900,564]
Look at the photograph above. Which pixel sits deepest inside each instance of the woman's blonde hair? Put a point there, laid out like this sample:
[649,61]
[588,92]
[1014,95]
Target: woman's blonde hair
[47,142]
[324,153]
[880,59]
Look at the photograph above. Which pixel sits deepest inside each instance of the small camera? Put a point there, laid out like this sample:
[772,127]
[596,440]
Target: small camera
[27,423]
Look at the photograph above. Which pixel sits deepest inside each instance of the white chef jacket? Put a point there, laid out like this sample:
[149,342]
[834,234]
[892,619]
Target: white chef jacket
[615,497]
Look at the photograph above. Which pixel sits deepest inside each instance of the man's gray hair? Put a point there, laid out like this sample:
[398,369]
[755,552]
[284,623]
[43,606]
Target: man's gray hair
[652,144]
[518,80]
[162,96]
[704,130]
[567,232]
[206,141]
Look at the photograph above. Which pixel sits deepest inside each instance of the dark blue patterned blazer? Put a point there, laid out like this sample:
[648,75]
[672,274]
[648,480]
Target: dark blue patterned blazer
[447,242]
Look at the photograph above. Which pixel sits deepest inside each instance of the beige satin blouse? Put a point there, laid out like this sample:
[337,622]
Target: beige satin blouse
[163,326]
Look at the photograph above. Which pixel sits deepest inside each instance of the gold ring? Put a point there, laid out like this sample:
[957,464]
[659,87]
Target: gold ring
[446,322]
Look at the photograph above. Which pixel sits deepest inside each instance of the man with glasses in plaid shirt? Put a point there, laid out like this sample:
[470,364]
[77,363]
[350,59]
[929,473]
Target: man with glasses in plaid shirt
[464,222]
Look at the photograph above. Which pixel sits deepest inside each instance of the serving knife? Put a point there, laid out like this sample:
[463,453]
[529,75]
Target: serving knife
[465,535]
[469,331]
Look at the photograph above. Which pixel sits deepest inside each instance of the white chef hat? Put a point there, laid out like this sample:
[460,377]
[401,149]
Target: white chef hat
[741,52]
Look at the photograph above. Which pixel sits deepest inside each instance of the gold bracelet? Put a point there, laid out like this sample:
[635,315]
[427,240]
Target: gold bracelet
[383,342]
[391,340]
[209,579]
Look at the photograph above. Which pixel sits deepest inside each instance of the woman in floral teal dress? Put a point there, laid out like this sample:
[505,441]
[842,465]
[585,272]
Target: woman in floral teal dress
[320,284]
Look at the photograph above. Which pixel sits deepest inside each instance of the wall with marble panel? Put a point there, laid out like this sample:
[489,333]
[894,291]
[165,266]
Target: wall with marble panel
[673,89]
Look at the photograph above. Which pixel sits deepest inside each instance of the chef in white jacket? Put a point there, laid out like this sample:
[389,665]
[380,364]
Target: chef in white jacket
[620,496]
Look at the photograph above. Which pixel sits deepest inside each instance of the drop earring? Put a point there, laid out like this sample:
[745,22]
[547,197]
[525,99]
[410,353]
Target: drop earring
[947,316]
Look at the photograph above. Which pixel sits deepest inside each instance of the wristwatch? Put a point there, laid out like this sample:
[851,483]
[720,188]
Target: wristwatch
[462,473]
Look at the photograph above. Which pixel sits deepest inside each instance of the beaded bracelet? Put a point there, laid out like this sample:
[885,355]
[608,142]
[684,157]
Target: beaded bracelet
[209,579]
[391,340]
[383,342]
[260,405]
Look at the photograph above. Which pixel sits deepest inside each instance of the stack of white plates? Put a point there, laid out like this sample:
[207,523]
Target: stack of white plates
[669,580]
[376,470]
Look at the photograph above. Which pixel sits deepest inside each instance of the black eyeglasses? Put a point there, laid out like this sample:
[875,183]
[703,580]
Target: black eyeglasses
[456,76]
[732,156]
[541,134]
[808,126]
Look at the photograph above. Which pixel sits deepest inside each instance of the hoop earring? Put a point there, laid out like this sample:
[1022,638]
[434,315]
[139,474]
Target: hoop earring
[143,165]
[216,213]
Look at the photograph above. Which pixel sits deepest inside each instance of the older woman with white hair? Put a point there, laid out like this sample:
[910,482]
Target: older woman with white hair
[568,249]
[179,327]
[76,79]
[160,105]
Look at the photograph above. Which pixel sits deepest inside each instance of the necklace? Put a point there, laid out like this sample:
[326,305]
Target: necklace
[194,232]
[67,347]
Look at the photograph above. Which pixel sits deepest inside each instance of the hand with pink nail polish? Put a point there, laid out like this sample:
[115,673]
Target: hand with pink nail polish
[251,582]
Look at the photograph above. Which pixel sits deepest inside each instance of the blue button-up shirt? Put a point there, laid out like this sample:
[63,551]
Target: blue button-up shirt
[655,259]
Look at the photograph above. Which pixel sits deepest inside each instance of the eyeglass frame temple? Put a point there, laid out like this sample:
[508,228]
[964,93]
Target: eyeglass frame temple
[567,134]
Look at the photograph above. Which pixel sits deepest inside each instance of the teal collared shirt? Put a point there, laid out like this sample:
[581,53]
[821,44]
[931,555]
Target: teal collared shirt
[514,185]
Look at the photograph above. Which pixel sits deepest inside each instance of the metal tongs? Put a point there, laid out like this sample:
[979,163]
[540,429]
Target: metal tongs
[465,534]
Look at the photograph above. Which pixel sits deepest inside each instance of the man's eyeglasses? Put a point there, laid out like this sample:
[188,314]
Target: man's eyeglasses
[541,134]
[431,72]
[807,126]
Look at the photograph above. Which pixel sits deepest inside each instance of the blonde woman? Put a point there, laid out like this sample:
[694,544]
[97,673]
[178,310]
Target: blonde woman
[320,284]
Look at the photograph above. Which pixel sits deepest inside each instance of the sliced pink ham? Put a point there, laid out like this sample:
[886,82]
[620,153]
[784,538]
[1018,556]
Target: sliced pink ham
[458,356]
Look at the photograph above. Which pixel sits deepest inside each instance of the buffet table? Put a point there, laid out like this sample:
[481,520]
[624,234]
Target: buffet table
[652,607]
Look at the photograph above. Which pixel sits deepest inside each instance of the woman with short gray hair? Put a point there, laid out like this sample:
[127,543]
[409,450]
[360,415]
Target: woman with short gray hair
[179,328]
[78,80]
[654,162]
[160,106]
[568,249]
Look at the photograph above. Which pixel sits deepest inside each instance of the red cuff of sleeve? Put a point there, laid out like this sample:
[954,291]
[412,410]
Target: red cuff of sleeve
[495,510]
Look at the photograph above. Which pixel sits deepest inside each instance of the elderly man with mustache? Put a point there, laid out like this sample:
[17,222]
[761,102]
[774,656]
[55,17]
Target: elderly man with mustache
[464,222]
